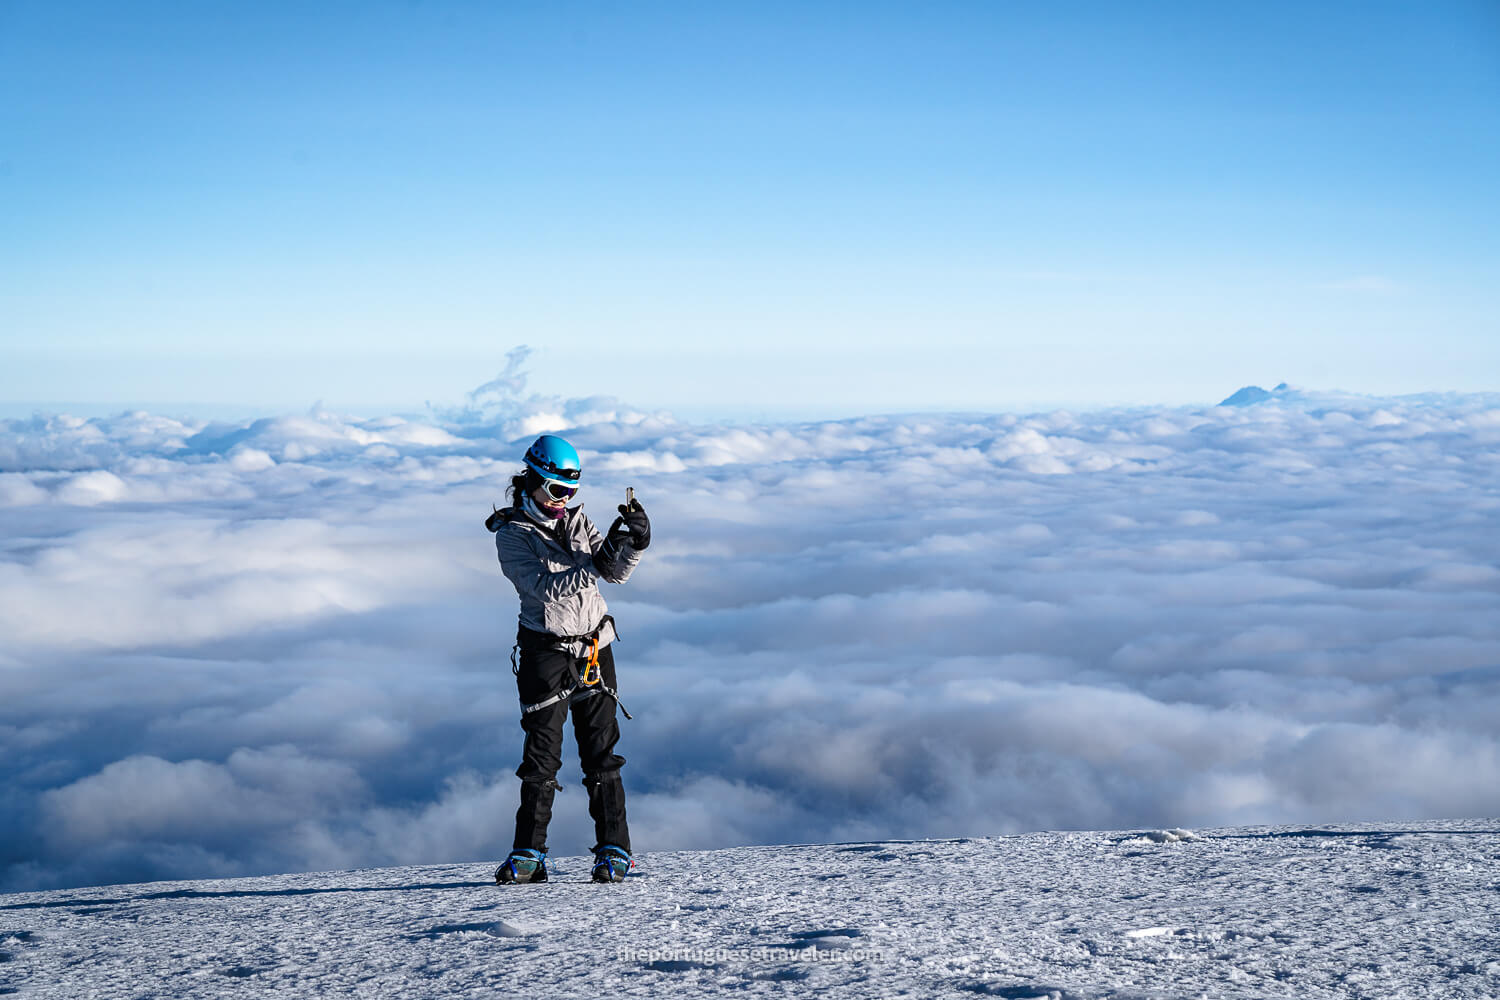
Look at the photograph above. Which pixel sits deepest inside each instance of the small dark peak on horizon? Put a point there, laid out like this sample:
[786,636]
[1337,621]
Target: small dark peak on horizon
[1252,394]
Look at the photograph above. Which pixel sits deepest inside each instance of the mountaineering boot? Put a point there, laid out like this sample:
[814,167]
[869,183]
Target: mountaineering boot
[611,863]
[522,866]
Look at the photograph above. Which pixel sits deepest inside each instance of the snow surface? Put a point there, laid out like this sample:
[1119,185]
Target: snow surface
[1390,910]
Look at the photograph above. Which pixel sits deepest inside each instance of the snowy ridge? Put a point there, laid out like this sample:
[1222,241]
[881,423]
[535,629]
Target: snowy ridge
[1387,910]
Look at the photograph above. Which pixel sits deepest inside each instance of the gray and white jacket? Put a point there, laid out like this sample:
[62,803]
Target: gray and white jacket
[556,569]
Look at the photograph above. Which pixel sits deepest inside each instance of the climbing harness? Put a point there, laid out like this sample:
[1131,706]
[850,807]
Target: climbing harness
[585,685]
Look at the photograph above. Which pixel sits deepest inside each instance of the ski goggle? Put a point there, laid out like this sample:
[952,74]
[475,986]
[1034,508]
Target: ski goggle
[559,491]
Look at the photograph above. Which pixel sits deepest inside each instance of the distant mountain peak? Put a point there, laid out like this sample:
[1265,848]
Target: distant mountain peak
[1252,394]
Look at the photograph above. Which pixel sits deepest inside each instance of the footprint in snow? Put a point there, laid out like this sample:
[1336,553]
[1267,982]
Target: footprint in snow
[836,939]
[1023,992]
[496,928]
[674,965]
[1150,932]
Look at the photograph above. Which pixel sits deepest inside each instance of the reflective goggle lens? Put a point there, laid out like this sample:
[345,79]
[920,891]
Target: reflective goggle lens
[558,491]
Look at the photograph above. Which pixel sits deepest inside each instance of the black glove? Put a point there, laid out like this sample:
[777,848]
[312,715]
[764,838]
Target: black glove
[639,525]
[616,536]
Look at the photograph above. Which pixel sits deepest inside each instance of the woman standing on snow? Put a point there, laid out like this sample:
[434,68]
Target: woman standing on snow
[554,555]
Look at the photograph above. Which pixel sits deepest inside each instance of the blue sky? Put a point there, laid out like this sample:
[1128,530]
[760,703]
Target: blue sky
[778,208]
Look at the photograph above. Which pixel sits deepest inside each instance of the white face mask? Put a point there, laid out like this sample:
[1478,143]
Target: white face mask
[540,512]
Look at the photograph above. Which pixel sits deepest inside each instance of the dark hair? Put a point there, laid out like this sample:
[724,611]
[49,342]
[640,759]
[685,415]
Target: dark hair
[522,484]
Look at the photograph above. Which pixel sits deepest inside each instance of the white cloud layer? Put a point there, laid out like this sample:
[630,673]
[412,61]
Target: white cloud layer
[284,644]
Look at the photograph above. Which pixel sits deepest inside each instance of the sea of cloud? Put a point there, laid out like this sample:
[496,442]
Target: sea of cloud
[284,644]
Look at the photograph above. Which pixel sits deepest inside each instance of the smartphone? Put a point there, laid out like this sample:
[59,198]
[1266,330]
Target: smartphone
[629,497]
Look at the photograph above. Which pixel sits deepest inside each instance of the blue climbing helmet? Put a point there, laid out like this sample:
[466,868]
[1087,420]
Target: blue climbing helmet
[555,460]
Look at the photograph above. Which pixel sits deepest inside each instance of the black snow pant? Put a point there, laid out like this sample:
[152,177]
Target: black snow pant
[542,672]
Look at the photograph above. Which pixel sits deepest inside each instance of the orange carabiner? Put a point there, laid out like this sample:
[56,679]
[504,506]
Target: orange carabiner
[591,675]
